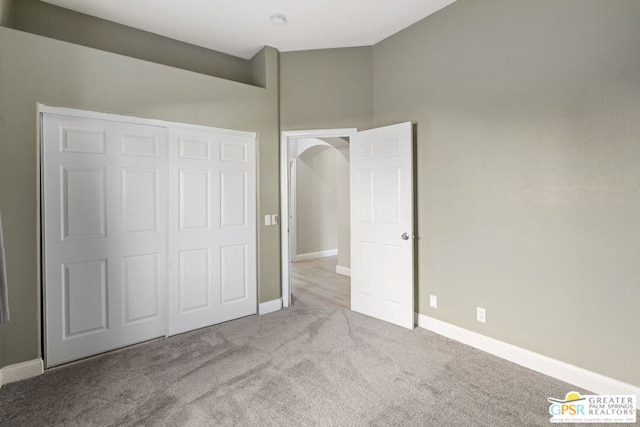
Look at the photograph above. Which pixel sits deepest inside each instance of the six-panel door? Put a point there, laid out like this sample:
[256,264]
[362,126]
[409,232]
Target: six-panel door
[104,235]
[212,240]
[382,254]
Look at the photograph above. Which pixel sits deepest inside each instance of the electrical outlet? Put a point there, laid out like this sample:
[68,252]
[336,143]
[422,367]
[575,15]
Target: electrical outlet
[481,314]
[433,301]
[274,219]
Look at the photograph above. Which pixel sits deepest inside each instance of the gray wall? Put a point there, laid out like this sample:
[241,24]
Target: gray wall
[36,69]
[6,13]
[528,154]
[47,20]
[316,200]
[344,208]
[326,89]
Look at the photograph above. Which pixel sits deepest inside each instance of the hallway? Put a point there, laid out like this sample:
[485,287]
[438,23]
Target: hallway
[315,283]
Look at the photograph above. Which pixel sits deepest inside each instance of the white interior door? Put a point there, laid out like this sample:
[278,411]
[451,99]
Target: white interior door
[104,235]
[382,279]
[212,228]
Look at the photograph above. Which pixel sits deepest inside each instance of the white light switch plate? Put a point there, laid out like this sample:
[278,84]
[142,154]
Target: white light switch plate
[267,220]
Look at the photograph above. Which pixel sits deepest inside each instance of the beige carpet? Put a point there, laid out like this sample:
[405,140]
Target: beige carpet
[303,366]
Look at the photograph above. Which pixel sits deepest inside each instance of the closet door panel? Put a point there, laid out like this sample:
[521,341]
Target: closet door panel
[104,235]
[212,228]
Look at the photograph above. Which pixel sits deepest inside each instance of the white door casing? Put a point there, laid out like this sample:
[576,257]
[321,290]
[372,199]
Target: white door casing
[212,228]
[104,235]
[293,188]
[382,246]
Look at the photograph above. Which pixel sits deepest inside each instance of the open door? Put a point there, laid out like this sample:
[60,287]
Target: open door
[382,279]
[285,183]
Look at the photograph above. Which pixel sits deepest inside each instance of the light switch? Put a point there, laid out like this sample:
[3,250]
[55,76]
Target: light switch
[274,219]
[267,220]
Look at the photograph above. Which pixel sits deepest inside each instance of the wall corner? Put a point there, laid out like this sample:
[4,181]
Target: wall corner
[6,13]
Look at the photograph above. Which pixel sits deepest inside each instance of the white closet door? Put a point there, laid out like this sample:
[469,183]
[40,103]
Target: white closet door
[104,235]
[212,228]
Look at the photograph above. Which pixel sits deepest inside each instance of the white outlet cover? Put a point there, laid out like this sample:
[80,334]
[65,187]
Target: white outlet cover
[433,301]
[481,314]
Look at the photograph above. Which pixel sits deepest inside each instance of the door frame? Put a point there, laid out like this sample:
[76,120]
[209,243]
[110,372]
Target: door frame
[293,194]
[285,141]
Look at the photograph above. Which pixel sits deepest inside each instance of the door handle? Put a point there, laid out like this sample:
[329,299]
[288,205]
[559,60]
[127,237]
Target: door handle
[404,236]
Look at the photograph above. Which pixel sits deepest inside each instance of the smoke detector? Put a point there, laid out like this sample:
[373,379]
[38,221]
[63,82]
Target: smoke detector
[278,19]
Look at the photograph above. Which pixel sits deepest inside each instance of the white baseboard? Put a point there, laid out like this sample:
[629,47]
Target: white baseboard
[270,306]
[571,374]
[21,371]
[314,255]
[345,271]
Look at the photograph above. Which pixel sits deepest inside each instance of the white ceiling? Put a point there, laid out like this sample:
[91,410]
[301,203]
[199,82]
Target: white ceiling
[242,27]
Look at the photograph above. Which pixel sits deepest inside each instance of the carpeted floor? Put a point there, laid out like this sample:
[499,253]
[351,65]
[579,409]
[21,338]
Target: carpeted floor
[304,366]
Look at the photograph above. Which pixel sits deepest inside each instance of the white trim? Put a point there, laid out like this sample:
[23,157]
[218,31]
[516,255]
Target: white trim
[270,306]
[21,371]
[64,111]
[563,371]
[314,255]
[345,271]
[293,194]
[285,255]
